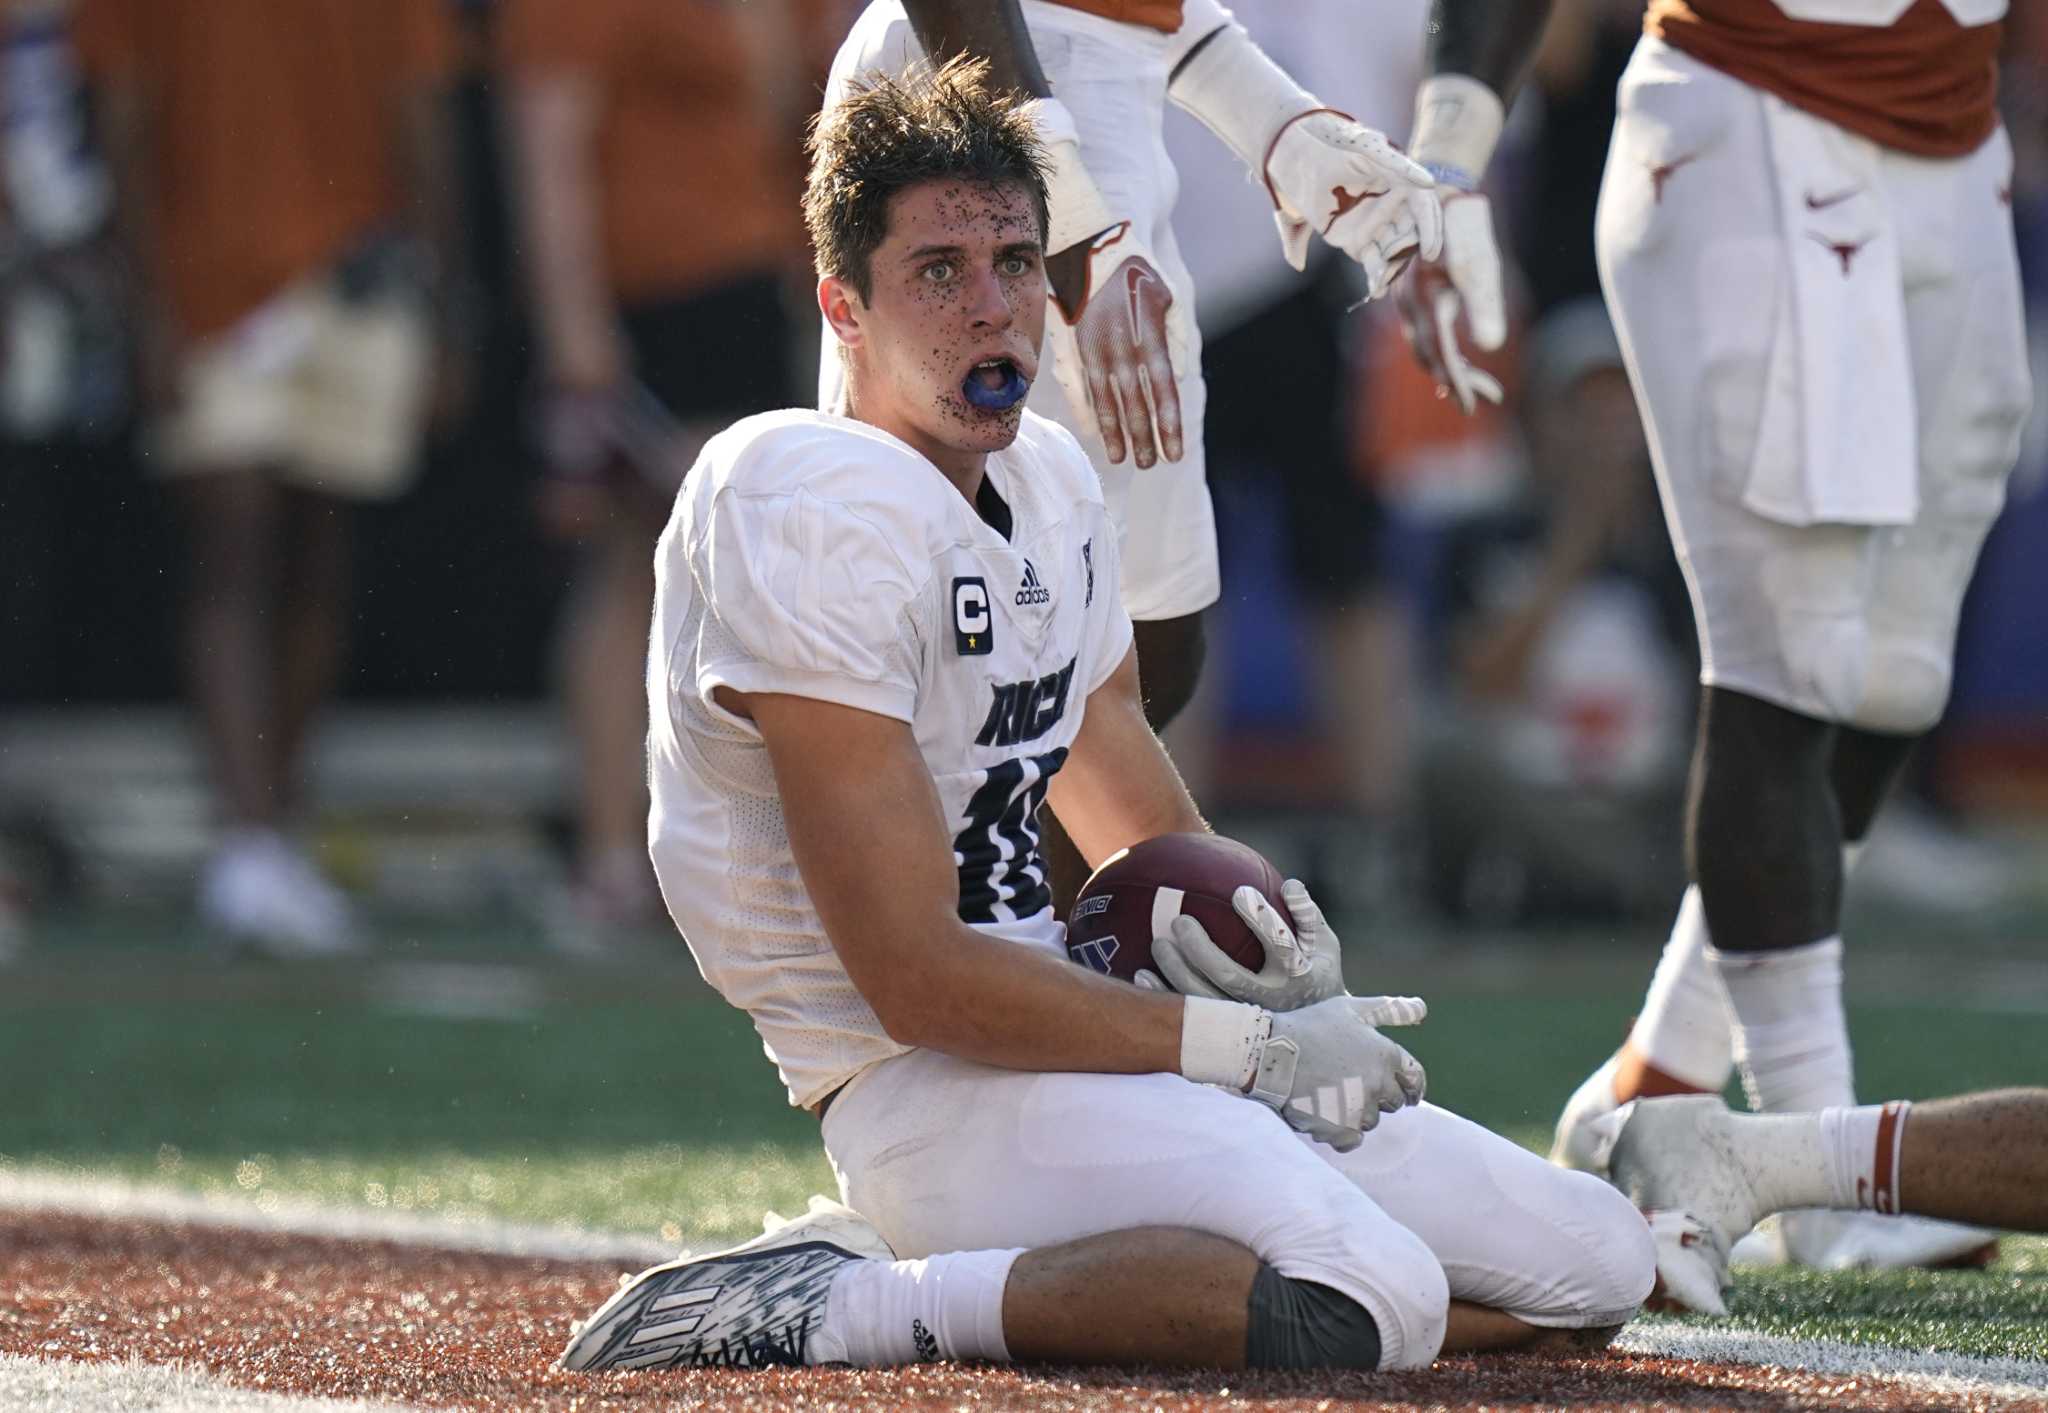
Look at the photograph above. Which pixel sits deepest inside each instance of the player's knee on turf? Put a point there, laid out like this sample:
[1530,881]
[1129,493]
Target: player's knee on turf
[1296,1324]
[1386,1270]
[1617,1262]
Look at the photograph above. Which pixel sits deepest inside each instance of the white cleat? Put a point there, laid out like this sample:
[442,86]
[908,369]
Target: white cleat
[1583,1141]
[1843,1241]
[261,892]
[1676,1160]
[756,1305]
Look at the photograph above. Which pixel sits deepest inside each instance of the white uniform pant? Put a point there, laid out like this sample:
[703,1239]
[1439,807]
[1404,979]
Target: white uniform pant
[1826,340]
[1112,77]
[945,1155]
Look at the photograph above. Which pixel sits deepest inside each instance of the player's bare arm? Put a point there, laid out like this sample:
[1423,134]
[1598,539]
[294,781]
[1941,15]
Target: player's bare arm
[877,859]
[1113,352]
[1119,786]
[1479,52]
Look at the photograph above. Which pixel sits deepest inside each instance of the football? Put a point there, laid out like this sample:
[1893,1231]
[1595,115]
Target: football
[1138,891]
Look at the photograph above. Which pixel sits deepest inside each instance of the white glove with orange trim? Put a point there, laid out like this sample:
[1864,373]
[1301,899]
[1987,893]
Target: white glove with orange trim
[1325,172]
[1457,122]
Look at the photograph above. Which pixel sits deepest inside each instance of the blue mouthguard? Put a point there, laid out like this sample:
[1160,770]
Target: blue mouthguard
[1000,399]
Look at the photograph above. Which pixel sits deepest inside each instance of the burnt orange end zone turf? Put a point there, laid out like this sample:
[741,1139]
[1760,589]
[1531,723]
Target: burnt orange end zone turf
[290,1313]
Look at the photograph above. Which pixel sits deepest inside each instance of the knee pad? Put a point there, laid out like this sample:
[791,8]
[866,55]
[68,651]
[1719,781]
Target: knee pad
[1302,1325]
[1876,679]
[1385,1269]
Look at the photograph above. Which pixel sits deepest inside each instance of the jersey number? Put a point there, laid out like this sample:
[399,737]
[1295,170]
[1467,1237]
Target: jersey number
[997,851]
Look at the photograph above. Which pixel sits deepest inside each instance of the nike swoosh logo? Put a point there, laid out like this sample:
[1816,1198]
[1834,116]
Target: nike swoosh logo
[1821,203]
[1136,277]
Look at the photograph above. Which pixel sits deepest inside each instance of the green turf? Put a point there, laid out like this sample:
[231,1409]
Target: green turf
[665,1118]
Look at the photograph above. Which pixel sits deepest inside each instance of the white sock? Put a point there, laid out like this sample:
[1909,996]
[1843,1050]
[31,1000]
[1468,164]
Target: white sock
[1844,1158]
[1791,1037]
[1863,1146]
[1685,1028]
[885,1313]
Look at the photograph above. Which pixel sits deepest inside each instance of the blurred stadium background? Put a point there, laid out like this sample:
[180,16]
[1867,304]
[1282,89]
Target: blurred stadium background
[1450,683]
[1468,716]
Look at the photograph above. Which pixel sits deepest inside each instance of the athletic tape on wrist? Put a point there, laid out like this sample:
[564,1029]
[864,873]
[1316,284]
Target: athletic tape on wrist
[1220,1041]
[1074,204]
[1240,94]
[1457,125]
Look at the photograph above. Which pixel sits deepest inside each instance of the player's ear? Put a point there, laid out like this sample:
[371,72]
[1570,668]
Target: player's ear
[841,305]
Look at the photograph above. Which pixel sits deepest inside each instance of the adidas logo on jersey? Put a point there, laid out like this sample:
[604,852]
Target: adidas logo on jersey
[1032,591]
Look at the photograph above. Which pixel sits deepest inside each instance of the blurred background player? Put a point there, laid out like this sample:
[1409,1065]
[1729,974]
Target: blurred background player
[1285,455]
[1124,347]
[285,223]
[1563,632]
[1805,237]
[63,380]
[633,120]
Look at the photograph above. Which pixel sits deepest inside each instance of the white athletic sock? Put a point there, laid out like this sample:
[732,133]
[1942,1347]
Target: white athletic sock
[1844,1158]
[1791,1037]
[1863,1146]
[1685,1028]
[885,1313]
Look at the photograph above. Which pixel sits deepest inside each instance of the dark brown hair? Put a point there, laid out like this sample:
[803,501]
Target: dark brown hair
[890,134]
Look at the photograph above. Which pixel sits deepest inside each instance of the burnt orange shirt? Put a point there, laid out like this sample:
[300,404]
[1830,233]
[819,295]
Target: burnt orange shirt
[1924,84]
[1161,15]
[699,175]
[271,131]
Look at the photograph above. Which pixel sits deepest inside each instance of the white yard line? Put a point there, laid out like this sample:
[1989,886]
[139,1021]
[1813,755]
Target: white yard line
[1949,1375]
[2002,1381]
[65,1386]
[110,1197]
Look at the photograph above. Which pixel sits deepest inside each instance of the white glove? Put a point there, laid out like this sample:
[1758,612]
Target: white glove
[1324,171]
[1330,173]
[1304,963]
[1328,1073]
[1457,124]
[1465,282]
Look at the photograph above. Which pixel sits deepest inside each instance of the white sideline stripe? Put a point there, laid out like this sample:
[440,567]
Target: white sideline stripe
[1949,1375]
[1936,1374]
[54,1190]
[1165,908]
[68,1386]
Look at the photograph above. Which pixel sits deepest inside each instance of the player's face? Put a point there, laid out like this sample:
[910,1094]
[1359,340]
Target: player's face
[948,343]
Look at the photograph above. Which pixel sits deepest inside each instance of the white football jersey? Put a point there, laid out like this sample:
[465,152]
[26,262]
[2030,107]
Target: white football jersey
[816,555]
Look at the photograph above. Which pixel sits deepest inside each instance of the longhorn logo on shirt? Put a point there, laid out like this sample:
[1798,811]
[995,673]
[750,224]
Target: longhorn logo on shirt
[973,628]
[1032,591]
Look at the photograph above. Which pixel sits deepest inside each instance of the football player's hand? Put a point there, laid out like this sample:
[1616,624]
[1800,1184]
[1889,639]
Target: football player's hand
[1341,179]
[1114,350]
[1465,282]
[1330,1074]
[1304,962]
